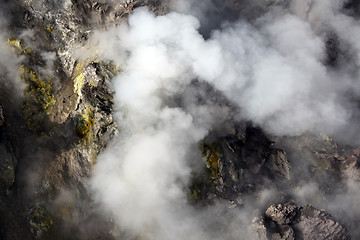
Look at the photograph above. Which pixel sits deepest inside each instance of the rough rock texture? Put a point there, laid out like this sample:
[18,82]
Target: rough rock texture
[287,221]
[320,158]
[51,135]
[57,128]
[241,164]
[70,22]
[351,164]
[316,224]
[282,214]
[258,227]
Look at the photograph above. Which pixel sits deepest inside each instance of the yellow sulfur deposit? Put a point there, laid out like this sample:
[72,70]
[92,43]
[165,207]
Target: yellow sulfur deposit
[39,89]
[84,124]
[18,46]
[212,156]
[39,98]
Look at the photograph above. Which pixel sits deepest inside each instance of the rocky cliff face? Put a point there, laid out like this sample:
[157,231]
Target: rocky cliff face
[57,116]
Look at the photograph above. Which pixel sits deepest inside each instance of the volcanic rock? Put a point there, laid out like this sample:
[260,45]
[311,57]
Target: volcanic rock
[288,221]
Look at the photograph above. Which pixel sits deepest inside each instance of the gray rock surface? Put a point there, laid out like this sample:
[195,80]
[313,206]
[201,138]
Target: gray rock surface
[316,224]
[282,214]
[288,221]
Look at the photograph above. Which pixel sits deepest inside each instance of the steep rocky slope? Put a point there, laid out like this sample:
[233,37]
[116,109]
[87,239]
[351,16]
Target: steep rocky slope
[57,116]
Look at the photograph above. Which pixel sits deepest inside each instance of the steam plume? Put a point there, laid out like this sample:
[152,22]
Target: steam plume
[274,70]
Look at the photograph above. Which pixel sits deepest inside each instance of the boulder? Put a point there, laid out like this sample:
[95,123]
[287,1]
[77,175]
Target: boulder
[278,164]
[318,224]
[288,221]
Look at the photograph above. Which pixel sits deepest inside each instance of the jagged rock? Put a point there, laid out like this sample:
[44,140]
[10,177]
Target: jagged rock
[287,221]
[278,164]
[74,122]
[326,161]
[316,224]
[351,164]
[287,233]
[69,113]
[282,214]
[241,164]
[316,157]
[356,152]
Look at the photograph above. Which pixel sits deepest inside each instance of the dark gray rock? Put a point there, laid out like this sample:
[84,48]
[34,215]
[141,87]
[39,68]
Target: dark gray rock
[7,168]
[2,119]
[7,158]
[241,164]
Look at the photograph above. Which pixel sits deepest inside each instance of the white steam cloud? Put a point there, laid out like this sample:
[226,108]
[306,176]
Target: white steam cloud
[274,71]
[9,62]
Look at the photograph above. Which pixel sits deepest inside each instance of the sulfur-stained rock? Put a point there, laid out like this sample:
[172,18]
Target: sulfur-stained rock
[242,165]
[40,222]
